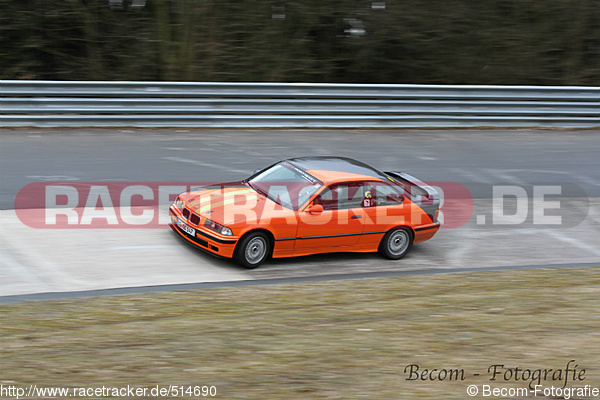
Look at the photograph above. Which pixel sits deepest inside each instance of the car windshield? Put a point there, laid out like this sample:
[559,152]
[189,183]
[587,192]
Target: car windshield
[286,185]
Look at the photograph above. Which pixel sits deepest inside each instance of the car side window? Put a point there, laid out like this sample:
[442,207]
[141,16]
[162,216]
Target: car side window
[341,196]
[381,194]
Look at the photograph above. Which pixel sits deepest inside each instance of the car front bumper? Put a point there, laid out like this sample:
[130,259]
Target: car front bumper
[201,238]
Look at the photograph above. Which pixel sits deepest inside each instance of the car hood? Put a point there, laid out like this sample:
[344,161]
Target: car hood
[232,204]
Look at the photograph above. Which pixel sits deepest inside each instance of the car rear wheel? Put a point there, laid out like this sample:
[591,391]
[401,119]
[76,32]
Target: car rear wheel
[396,243]
[252,250]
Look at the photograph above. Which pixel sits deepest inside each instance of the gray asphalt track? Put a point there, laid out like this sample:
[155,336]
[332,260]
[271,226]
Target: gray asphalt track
[37,261]
[475,158]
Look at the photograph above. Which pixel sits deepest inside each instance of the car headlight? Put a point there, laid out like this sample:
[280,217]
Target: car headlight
[179,203]
[213,226]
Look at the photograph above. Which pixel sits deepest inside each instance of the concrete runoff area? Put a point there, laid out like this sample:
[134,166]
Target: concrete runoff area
[71,260]
[64,260]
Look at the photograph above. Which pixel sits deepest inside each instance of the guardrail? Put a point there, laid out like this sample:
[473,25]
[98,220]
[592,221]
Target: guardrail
[250,105]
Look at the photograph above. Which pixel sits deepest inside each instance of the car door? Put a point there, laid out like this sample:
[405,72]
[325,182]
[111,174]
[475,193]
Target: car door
[340,223]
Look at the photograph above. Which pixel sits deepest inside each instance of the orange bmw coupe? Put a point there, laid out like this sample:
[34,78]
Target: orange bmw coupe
[308,205]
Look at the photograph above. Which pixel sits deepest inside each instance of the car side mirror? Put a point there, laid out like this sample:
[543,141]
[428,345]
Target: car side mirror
[315,209]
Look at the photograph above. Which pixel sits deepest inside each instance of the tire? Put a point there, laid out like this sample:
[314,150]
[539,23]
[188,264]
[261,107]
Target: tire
[252,250]
[396,243]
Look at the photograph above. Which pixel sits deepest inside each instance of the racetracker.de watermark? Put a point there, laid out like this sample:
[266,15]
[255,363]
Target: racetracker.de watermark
[127,205]
[179,391]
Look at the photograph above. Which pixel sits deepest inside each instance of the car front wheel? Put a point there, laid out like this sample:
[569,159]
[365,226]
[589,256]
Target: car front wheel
[396,243]
[252,250]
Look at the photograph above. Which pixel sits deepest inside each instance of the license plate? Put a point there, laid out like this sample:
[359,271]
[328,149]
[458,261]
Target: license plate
[186,228]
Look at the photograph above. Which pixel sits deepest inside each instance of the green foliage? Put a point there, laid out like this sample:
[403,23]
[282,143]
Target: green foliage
[532,42]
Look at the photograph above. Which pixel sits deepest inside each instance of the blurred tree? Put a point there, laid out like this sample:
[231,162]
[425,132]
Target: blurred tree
[554,42]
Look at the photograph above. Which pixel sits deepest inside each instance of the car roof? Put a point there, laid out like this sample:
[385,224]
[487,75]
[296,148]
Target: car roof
[345,167]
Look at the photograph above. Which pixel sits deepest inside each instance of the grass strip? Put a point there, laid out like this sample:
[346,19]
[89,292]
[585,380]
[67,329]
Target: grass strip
[323,340]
